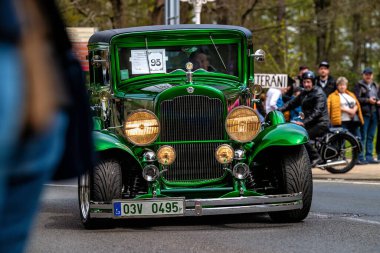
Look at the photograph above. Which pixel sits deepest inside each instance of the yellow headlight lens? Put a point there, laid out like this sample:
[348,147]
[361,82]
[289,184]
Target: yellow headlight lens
[142,127]
[224,154]
[166,155]
[242,124]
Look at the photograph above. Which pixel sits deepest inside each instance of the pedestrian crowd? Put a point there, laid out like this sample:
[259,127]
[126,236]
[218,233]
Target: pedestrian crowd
[327,102]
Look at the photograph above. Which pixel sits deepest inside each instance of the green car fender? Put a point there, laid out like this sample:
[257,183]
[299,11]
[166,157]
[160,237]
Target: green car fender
[105,140]
[286,134]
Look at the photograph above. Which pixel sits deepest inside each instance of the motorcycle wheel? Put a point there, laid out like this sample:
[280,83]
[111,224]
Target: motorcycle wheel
[347,150]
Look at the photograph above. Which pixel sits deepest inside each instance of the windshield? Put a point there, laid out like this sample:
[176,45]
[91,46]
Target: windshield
[220,58]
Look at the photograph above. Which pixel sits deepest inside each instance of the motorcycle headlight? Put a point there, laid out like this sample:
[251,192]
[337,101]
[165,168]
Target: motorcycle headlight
[242,124]
[142,127]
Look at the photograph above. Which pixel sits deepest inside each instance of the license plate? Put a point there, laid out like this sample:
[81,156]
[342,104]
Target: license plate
[148,208]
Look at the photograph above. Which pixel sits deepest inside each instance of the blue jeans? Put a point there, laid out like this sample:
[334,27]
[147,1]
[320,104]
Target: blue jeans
[352,127]
[378,140]
[25,164]
[367,132]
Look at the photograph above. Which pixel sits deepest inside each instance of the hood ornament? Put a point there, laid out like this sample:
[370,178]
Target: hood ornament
[189,73]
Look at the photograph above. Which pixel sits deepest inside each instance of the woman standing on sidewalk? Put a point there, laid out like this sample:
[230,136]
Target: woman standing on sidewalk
[344,109]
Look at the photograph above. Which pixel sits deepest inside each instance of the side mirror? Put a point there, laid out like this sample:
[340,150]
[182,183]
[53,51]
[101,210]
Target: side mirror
[259,55]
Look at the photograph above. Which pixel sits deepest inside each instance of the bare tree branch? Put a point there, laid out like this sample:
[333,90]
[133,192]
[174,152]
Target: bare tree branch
[248,11]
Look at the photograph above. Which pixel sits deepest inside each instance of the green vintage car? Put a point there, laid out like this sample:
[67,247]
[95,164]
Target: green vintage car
[177,134]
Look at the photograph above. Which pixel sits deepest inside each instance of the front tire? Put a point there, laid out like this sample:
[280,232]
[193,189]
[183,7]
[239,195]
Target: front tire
[102,185]
[295,176]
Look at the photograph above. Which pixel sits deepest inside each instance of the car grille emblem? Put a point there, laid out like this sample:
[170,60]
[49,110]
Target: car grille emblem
[190,89]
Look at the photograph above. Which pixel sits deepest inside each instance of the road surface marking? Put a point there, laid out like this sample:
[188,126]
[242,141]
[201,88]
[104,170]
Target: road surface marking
[362,220]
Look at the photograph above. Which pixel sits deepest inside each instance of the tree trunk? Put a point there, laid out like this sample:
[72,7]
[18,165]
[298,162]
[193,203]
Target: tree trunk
[118,19]
[356,40]
[157,14]
[322,15]
[279,52]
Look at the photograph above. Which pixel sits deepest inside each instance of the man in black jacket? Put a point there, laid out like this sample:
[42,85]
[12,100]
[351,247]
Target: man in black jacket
[366,90]
[314,106]
[324,80]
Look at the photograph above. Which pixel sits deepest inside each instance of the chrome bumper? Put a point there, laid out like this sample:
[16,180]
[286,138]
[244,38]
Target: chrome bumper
[216,206]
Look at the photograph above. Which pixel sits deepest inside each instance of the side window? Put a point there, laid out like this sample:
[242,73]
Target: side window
[99,68]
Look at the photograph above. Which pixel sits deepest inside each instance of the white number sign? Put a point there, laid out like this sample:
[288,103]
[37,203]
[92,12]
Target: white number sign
[154,62]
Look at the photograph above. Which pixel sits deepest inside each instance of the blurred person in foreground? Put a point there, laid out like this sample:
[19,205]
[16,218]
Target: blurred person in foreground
[366,90]
[45,128]
[325,80]
[314,105]
[378,129]
[344,109]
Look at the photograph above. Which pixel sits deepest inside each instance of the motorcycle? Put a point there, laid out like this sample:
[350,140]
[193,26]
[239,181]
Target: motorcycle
[338,148]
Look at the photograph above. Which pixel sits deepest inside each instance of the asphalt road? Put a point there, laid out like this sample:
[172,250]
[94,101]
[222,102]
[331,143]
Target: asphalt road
[345,217]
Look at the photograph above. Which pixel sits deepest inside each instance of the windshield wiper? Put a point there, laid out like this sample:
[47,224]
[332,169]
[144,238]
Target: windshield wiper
[216,49]
[146,52]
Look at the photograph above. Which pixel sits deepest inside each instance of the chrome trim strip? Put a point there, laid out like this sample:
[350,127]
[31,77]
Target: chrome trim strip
[268,199]
[194,207]
[101,215]
[262,208]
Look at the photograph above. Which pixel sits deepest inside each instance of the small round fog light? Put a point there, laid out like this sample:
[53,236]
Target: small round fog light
[224,154]
[240,170]
[166,155]
[150,173]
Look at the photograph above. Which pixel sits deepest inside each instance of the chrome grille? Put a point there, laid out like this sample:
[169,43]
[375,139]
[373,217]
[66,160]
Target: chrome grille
[190,118]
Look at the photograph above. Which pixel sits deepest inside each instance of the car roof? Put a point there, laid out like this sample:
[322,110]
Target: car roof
[107,35]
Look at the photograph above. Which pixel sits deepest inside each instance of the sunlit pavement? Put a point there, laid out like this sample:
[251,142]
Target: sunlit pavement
[368,172]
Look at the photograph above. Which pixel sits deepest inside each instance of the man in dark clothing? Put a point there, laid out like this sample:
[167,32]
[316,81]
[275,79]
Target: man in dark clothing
[314,105]
[324,80]
[366,90]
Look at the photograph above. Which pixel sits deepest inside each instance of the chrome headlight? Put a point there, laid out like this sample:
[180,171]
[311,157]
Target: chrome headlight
[141,127]
[242,124]
[240,171]
[150,173]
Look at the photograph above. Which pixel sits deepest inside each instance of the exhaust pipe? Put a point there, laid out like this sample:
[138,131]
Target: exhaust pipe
[342,162]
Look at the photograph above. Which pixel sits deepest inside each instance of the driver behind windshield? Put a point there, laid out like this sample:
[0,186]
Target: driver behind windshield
[201,60]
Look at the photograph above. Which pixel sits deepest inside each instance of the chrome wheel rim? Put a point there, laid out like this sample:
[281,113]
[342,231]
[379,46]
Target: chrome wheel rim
[84,195]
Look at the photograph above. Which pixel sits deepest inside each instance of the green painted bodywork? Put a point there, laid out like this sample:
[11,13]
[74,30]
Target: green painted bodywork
[125,96]
[105,140]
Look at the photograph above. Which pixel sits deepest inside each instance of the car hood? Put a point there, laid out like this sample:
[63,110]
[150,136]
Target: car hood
[150,87]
